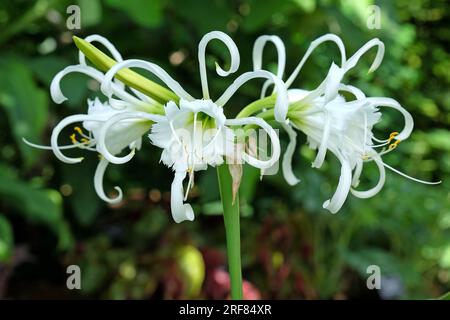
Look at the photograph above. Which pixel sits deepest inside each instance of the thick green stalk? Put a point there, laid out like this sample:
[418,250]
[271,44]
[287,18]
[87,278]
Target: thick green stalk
[256,106]
[232,230]
[127,76]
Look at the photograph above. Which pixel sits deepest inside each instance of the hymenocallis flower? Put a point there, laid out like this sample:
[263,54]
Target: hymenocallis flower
[331,123]
[193,133]
[120,136]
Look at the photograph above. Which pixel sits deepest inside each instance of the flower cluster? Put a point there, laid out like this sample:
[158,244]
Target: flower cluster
[195,133]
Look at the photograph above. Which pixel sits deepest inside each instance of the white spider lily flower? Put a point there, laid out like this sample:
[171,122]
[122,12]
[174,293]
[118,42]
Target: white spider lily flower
[332,123]
[120,136]
[123,134]
[195,133]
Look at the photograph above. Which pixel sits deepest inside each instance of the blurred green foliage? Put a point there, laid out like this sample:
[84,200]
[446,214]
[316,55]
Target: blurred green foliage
[291,247]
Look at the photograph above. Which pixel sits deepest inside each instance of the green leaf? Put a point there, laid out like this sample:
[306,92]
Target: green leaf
[25,104]
[6,239]
[445,296]
[36,205]
[145,13]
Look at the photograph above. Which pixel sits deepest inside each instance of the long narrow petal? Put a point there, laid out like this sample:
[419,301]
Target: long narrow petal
[353,60]
[323,147]
[286,165]
[105,42]
[234,53]
[57,130]
[373,191]
[101,143]
[180,211]
[357,172]
[391,103]
[58,96]
[312,47]
[359,95]
[275,141]
[281,104]
[343,188]
[153,68]
[258,49]
[98,183]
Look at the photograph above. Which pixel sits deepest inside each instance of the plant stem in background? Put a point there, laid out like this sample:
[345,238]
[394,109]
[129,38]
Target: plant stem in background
[232,230]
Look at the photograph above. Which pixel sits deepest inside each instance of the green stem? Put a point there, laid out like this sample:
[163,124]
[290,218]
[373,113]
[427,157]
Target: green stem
[232,230]
[256,106]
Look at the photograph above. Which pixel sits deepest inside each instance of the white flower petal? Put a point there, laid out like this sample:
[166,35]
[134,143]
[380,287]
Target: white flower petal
[107,84]
[180,211]
[58,96]
[371,192]
[388,102]
[352,61]
[357,172]
[106,43]
[122,116]
[323,147]
[258,49]
[286,165]
[59,127]
[232,49]
[281,104]
[312,47]
[260,164]
[343,188]
[98,183]
[359,95]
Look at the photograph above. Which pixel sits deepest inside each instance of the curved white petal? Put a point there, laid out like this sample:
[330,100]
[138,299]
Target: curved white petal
[59,127]
[391,103]
[258,49]
[353,60]
[59,97]
[323,147]
[55,88]
[281,104]
[101,143]
[328,37]
[232,49]
[106,86]
[106,43]
[371,192]
[275,141]
[357,172]
[264,88]
[286,165]
[343,188]
[98,183]
[180,211]
[359,95]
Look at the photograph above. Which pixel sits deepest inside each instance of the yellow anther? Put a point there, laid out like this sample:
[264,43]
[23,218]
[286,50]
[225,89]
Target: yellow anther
[84,140]
[73,138]
[78,129]
[392,136]
[394,145]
